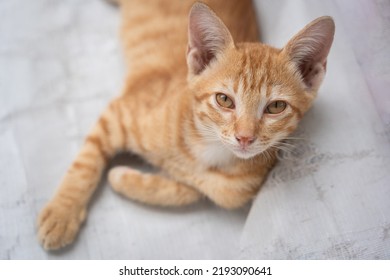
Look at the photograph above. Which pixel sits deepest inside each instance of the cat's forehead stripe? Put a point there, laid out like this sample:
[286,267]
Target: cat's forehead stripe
[241,86]
[253,74]
[235,85]
[273,91]
[263,89]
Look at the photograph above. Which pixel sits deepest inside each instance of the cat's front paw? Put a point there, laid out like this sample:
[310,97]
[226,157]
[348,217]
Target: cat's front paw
[59,224]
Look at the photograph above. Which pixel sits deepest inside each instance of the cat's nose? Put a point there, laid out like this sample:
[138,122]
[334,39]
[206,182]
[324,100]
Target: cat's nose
[245,140]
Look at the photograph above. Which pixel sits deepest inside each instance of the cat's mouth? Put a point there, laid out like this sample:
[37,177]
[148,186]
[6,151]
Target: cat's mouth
[244,152]
[241,151]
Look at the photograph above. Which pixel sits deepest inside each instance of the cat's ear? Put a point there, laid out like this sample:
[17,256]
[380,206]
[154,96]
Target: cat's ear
[207,37]
[309,49]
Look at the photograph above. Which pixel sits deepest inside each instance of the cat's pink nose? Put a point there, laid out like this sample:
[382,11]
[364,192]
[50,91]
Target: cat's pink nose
[245,140]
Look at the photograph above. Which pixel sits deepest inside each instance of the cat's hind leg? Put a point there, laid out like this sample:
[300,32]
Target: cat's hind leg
[154,189]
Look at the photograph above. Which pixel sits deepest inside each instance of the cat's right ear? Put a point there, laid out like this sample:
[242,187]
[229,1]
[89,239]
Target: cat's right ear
[207,37]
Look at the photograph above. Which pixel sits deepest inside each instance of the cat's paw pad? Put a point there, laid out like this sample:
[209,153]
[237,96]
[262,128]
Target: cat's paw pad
[120,177]
[58,225]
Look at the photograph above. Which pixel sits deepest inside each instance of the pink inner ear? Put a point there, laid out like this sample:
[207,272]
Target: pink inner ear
[207,37]
[312,74]
[195,60]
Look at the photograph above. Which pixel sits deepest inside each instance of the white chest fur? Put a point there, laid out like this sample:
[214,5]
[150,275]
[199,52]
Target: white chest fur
[214,154]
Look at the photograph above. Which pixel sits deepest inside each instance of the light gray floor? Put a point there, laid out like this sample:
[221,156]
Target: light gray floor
[60,63]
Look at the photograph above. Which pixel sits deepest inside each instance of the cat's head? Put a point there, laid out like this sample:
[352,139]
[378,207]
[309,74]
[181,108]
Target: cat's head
[250,96]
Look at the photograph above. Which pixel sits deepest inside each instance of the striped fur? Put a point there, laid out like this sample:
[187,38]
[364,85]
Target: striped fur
[174,122]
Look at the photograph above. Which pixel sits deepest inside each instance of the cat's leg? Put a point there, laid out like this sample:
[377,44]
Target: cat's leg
[60,220]
[227,196]
[152,189]
[228,191]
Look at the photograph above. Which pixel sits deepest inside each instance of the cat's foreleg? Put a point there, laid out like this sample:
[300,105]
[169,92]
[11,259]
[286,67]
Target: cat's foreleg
[60,220]
[154,189]
[228,192]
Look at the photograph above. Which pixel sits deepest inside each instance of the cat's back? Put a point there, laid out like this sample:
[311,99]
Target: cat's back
[154,32]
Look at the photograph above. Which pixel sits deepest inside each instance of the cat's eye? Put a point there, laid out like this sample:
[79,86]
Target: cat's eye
[276,107]
[224,101]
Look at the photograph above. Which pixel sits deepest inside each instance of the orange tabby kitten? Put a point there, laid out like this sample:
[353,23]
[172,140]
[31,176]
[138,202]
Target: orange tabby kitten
[205,108]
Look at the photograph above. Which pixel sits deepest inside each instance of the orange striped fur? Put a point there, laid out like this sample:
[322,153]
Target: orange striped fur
[169,113]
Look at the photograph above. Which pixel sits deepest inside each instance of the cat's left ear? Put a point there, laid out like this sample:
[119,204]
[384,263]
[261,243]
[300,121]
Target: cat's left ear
[207,37]
[309,50]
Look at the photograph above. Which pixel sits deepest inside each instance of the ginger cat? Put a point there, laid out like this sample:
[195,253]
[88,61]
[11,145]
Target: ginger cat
[205,103]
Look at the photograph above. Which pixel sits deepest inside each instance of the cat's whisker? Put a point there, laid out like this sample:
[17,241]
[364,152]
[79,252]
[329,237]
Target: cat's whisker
[285,150]
[283,144]
[268,156]
[284,147]
[294,138]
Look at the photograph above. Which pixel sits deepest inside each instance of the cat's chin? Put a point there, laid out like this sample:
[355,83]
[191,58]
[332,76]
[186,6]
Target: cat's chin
[244,154]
